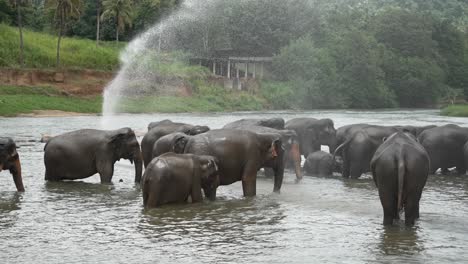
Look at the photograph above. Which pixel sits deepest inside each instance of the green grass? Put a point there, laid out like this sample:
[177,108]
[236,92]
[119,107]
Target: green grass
[455,110]
[40,51]
[16,100]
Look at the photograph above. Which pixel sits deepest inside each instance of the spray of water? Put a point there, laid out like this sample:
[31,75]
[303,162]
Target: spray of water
[137,76]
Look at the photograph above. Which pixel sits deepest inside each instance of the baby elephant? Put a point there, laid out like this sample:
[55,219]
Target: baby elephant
[172,178]
[319,163]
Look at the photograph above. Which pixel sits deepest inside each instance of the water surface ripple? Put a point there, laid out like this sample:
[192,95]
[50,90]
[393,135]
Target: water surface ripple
[320,220]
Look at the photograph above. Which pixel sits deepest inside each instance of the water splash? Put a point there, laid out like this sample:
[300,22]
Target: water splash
[136,76]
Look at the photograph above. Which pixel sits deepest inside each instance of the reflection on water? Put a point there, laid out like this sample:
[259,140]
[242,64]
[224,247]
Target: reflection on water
[319,220]
[400,240]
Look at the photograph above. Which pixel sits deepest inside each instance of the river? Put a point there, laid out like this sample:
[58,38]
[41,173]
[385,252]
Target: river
[321,219]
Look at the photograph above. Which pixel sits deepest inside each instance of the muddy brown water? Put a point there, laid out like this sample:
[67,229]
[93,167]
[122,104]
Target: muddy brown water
[320,220]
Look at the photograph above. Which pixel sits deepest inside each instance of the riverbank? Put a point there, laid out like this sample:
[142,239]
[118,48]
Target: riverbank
[40,101]
[455,110]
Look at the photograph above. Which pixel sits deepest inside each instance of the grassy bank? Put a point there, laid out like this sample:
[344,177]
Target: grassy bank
[17,100]
[40,51]
[455,110]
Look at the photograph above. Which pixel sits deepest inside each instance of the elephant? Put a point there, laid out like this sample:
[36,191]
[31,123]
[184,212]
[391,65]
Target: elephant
[174,142]
[359,147]
[173,177]
[159,129]
[357,153]
[312,133]
[276,123]
[400,167]
[289,143]
[241,154]
[319,163]
[444,145]
[83,153]
[9,160]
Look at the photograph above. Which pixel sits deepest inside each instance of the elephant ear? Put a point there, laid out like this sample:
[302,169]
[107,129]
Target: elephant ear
[179,143]
[120,136]
[312,134]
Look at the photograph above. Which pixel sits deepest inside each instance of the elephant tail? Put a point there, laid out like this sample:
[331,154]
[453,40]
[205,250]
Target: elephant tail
[401,180]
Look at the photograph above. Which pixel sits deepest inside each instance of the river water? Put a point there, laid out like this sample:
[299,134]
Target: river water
[319,220]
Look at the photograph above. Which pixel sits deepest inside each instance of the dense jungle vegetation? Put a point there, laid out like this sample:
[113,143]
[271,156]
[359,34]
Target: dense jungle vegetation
[327,54]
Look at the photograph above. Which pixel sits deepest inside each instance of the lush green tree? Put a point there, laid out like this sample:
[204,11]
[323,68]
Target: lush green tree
[121,11]
[64,10]
[18,5]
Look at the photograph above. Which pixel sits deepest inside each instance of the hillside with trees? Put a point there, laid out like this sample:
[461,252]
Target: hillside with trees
[327,54]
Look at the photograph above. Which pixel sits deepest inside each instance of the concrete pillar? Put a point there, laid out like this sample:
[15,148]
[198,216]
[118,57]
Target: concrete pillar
[261,70]
[246,70]
[229,69]
[237,70]
[214,67]
[254,68]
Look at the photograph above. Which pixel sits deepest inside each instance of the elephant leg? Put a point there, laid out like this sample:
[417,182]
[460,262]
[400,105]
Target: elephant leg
[411,210]
[355,171]
[249,180]
[196,194]
[346,167]
[389,205]
[106,171]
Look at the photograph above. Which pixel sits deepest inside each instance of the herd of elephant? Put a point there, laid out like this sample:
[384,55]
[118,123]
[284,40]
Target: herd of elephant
[181,160]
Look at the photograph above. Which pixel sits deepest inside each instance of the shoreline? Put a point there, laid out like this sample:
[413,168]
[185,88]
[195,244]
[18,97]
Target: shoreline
[52,113]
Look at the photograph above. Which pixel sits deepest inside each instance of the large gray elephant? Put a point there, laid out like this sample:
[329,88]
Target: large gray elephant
[159,129]
[172,178]
[289,141]
[9,160]
[241,154]
[276,123]
[313,133]
[444,145]
[400,167]
[83,153]
[359,147]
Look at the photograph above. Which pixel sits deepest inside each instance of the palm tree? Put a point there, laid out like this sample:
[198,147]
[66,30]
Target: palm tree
[121,11]
[17,4]
[98,21]
[64,11]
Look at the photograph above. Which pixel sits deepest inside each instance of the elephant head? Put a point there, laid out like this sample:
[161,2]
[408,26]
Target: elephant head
[9,160]
[322,132]
[272,150]
[126,147]
[291,146]
[162,122]
[209,175]
[195,130]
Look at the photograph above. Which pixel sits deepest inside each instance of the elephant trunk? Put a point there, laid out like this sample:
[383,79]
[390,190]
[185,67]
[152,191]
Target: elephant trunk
[138,165]
[17,177]
[295,155]
[279,172]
